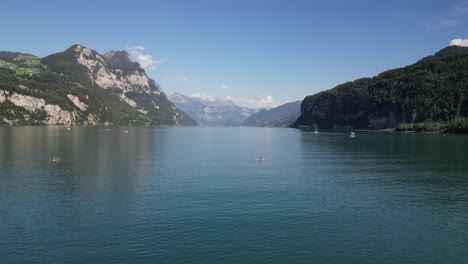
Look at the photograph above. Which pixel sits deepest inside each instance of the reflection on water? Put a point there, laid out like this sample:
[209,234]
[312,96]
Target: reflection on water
[410,188]
[184,195]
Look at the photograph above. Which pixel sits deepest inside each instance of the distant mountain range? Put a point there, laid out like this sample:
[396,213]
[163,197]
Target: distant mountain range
[81,86]
[430,95]
[281,116]
[215,112]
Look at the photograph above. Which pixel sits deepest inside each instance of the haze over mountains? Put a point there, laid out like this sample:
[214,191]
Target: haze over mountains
[281,116]
[211,112]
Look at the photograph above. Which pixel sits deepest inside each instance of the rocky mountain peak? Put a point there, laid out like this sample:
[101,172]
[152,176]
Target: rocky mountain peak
[80,50]
[118,55]
[82,86]
[121,60]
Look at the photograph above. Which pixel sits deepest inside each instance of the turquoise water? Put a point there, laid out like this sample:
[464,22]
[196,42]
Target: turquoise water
[198,195]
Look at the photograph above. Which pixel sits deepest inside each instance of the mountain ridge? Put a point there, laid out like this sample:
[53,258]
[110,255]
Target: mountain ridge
[211,112]
[280,116]
[430,95]
[79,86]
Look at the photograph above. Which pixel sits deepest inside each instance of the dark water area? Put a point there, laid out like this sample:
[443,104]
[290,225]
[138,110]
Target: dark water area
[198,195]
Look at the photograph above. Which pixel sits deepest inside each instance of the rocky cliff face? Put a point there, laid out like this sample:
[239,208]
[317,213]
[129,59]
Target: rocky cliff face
[80,86]
[55,114]
[116,74]
[111,70]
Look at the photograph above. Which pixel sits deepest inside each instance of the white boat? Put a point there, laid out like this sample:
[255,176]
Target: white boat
[352,134]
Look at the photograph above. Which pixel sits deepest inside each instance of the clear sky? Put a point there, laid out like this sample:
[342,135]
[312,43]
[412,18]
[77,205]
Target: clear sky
[258,52]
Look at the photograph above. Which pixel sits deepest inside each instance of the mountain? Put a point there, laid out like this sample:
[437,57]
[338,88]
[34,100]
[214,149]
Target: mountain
[430,95]
[216,102]
[447,52]
[80,86]
[211,112]
[281,116]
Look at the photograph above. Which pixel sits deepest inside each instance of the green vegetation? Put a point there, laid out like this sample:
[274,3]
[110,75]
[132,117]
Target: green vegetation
[21,116]
[431,95]
[458,125]
[22,64]
[56,76]
[427,126]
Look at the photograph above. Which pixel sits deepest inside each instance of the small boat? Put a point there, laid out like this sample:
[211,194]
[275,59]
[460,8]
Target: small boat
[55,159]
[260,159]
[352,134]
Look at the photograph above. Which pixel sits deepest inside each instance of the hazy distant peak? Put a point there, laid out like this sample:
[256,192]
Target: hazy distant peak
[179,98]
[177,94]
[211,111]
[218,102]
[209,101]
[280,116]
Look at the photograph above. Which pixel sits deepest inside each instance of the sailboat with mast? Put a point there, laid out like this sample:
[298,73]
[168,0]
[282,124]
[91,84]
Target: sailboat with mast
[352,134]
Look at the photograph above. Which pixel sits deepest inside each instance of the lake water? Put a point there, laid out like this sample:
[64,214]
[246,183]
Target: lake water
[198,195]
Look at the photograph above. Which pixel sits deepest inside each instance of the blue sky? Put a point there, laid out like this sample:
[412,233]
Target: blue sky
[257,52]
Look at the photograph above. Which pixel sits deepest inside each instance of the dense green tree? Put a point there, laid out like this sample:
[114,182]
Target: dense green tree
[433,92]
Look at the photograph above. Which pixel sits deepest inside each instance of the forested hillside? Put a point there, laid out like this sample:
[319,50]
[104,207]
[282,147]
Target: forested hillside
[430,95]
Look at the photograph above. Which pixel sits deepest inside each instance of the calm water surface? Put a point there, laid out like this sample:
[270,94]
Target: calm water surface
[197,195]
